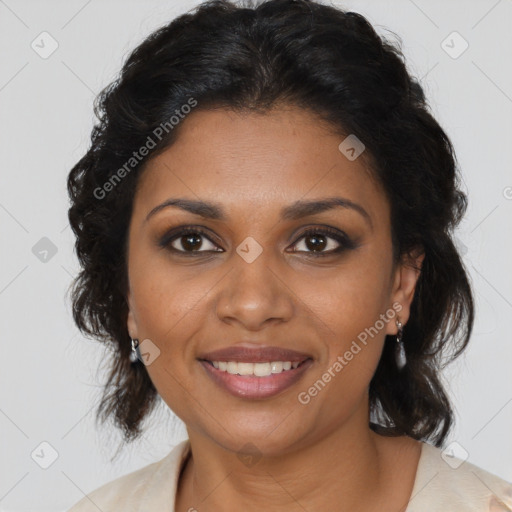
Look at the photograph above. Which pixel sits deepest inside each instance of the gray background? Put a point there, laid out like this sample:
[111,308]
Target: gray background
[50,376]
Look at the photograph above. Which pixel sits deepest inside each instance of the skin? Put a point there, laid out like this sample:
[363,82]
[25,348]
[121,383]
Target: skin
[322,454]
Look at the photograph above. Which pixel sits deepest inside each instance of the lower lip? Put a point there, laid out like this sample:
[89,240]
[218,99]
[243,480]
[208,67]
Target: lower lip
[249,386]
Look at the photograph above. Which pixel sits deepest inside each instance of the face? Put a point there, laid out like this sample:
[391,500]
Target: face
[258,273]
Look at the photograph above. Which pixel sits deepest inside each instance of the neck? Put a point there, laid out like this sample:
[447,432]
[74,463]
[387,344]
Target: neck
[342,469]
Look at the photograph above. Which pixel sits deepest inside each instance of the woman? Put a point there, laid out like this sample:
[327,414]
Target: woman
[264,220]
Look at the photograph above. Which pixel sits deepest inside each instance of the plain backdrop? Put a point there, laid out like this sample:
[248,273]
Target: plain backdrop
[51,377]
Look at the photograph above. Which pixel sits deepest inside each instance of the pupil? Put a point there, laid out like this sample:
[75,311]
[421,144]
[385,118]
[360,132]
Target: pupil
[192,242]
[319,242]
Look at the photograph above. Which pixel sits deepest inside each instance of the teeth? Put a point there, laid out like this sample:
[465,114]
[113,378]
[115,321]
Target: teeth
[255,369]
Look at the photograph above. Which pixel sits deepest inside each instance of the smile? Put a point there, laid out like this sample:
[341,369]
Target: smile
[255,380]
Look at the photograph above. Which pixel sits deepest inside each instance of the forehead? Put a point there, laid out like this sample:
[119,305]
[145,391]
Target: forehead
[250,161]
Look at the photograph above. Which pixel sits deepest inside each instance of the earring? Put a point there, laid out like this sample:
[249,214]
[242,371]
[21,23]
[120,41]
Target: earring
[135,354]
[400,356]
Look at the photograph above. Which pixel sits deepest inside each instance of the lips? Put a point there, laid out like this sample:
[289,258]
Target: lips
[245,354]
[254,388]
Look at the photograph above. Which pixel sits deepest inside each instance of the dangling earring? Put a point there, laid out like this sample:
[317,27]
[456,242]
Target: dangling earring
[400,356]
[135,355]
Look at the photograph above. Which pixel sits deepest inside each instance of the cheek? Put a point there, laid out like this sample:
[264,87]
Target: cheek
[168,308]
[354,295]
[166,300]
[351,302]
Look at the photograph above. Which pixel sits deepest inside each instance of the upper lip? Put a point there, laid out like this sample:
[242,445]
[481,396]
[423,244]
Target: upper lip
[261,354]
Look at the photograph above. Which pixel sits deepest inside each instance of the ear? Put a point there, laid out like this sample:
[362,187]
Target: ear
[405,277]
[131,321]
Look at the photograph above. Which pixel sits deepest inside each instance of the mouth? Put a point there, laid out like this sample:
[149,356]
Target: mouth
[255,380]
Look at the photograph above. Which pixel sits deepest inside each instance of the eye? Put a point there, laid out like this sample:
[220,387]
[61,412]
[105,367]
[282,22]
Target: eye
[317,240]
[188,240]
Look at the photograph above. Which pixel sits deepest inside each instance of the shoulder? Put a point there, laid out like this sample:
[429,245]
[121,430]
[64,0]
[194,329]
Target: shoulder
[447,482]
[152,485]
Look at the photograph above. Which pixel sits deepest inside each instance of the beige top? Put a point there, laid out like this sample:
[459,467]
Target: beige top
[439,486]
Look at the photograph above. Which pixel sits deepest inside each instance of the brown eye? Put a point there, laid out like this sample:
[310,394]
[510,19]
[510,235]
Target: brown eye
[191,242]
[188,240]
[324,242]
[316,242]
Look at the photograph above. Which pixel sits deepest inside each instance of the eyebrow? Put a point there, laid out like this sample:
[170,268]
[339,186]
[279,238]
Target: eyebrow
[295,211]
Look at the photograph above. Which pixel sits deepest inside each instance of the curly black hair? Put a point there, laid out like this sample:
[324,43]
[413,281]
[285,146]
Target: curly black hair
[254,57]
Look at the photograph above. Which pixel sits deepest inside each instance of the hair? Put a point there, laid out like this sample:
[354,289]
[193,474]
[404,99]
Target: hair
[252,58]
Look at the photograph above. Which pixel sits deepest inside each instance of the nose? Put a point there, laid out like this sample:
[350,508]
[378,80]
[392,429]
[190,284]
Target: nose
[254,294]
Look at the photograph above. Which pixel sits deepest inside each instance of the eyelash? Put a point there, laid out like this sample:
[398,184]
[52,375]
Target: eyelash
[345,242]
